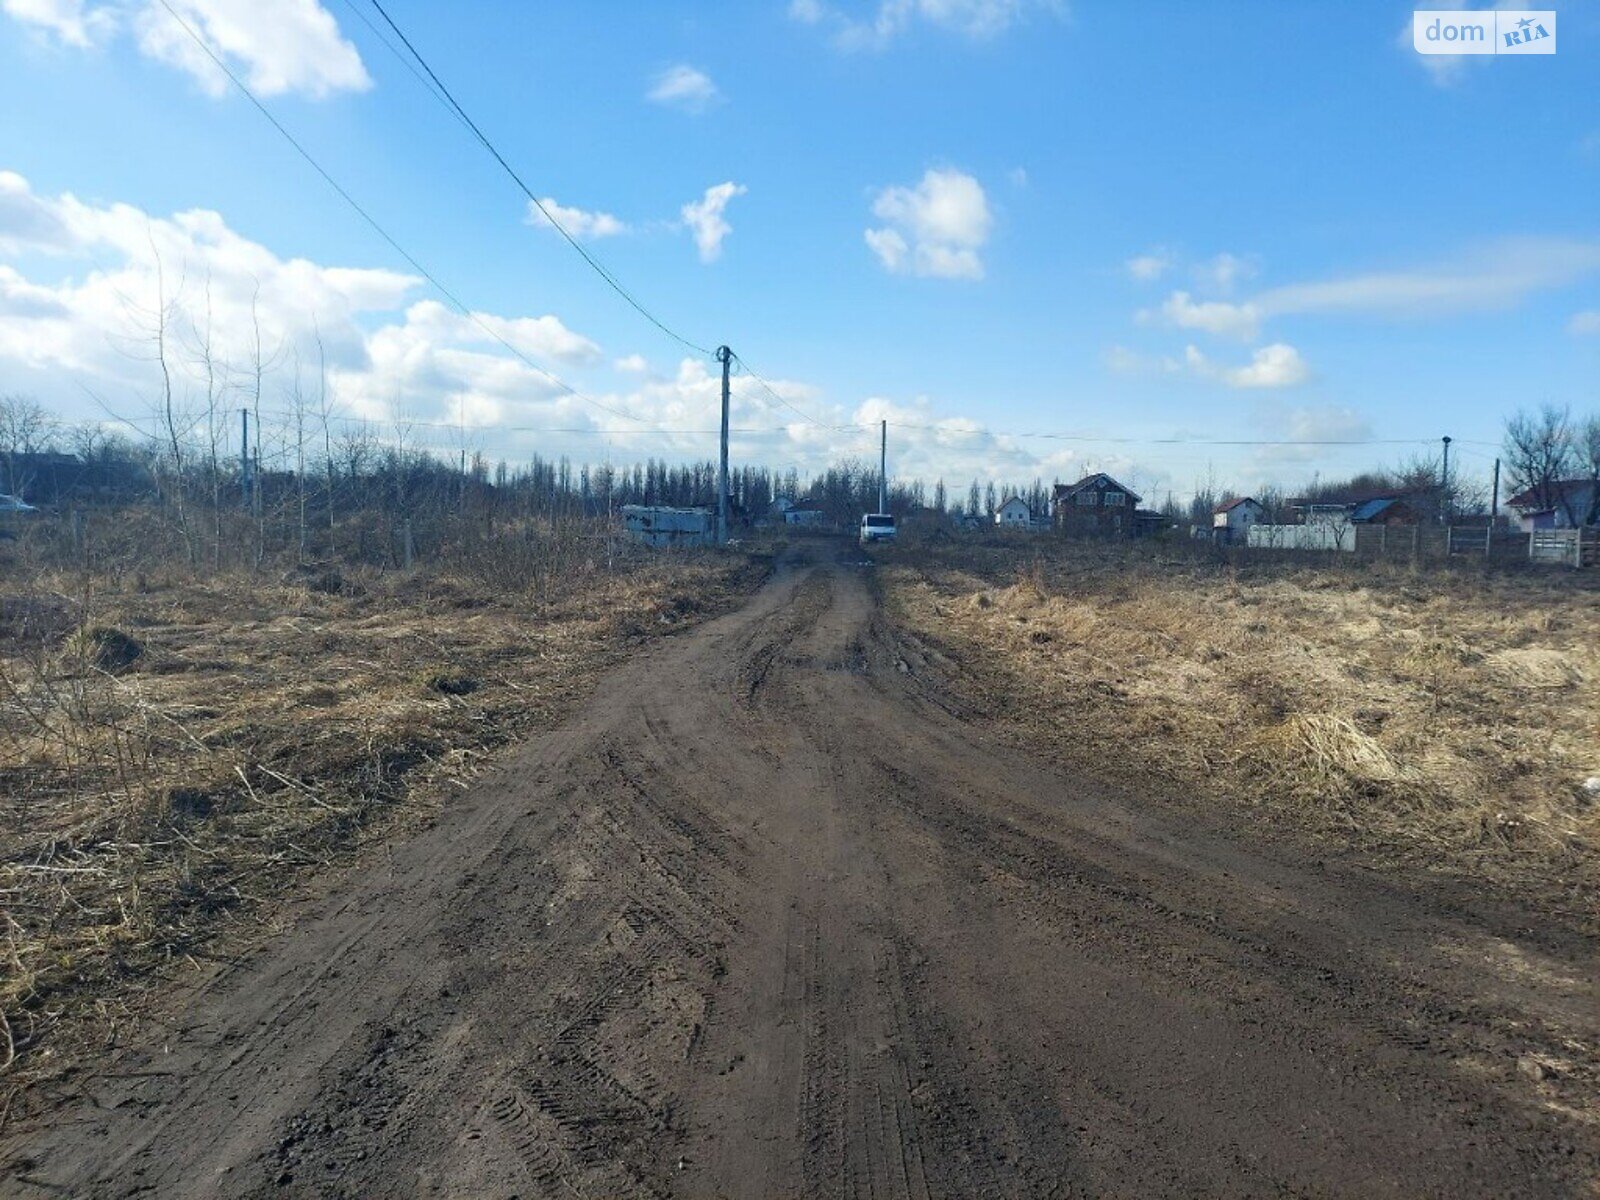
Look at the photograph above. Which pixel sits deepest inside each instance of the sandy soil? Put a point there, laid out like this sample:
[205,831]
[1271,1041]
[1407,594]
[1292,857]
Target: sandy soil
[769,917]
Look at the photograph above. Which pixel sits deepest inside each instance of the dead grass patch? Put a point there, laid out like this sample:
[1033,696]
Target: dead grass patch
[173,750]
[1451,719]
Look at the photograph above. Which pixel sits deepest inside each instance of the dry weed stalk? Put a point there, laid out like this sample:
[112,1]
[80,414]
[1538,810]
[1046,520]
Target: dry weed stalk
[147,805]
[1447,716]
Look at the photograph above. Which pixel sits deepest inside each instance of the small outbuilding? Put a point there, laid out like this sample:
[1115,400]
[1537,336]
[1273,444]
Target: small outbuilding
[1385,510]
[1564,504]
[1232,520]
[660,525]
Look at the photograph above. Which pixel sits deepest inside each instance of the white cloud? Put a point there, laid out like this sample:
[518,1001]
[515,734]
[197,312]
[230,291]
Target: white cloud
[399,358]
[929,444]
[1492,276]
[1276,420]
[1308,423]
[1221,273]
[705,219]
[1122,361]
[934,229]
[544,338]
[581,224]
[22,301]
[978,20]
[288,46]
[72,21]
[1214,276]
[1444,70]
[1148,267]
[684,87]
[1276,366]
[1495,276]
[1018,177]
[1212,316]
[404,361]
[386,348]
[28,222]
[1584,323]
[889,246]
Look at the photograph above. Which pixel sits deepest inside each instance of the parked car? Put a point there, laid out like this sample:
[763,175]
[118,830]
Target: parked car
[15,504]
[877,527]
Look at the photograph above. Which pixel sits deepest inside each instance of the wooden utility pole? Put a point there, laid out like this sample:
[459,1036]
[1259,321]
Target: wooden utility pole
[883,468]
[1444,482]
[725,357]
[1494,505]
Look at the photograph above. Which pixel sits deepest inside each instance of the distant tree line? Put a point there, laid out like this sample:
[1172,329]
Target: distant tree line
[331,473]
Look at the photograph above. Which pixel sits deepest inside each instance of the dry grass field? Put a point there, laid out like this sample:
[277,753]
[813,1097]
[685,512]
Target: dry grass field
[1445,719]
[174,750]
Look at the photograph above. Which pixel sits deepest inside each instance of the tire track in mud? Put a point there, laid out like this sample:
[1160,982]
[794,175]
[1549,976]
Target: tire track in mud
[768,917]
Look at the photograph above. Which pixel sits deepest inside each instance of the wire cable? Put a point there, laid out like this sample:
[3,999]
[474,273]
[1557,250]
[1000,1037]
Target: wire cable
[773,392]
[589,258]
[361,15]
[560,383]
[1168,441]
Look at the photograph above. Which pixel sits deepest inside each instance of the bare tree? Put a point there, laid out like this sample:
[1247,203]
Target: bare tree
[324,411]
[357,447]
[213,375]
[260,364]
[1539,455]
[155,326]
[25,428]
[87,440]
[1586,452]
[297,413]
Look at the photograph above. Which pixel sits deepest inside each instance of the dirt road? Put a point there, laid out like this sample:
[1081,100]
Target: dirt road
[768,919]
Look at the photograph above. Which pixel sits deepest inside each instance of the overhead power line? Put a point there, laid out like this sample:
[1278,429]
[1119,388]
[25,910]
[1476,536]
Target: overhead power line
[459,427]
[313,418]
[980,431]
[448,98]
[438,89]
[360,13]
[773,392]
[449,295]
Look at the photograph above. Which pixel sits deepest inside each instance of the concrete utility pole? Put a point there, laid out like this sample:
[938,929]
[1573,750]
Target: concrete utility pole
[1494,505]
[725,357]
[883,468]
[244,454]
[1444,481]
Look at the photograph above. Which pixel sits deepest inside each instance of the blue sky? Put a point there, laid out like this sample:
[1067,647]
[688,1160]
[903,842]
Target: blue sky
[977,218]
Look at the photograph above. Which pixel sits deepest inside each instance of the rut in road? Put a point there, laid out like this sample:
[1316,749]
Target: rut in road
[765,919]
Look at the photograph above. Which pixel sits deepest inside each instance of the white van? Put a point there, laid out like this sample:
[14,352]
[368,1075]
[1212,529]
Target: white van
[877,527]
